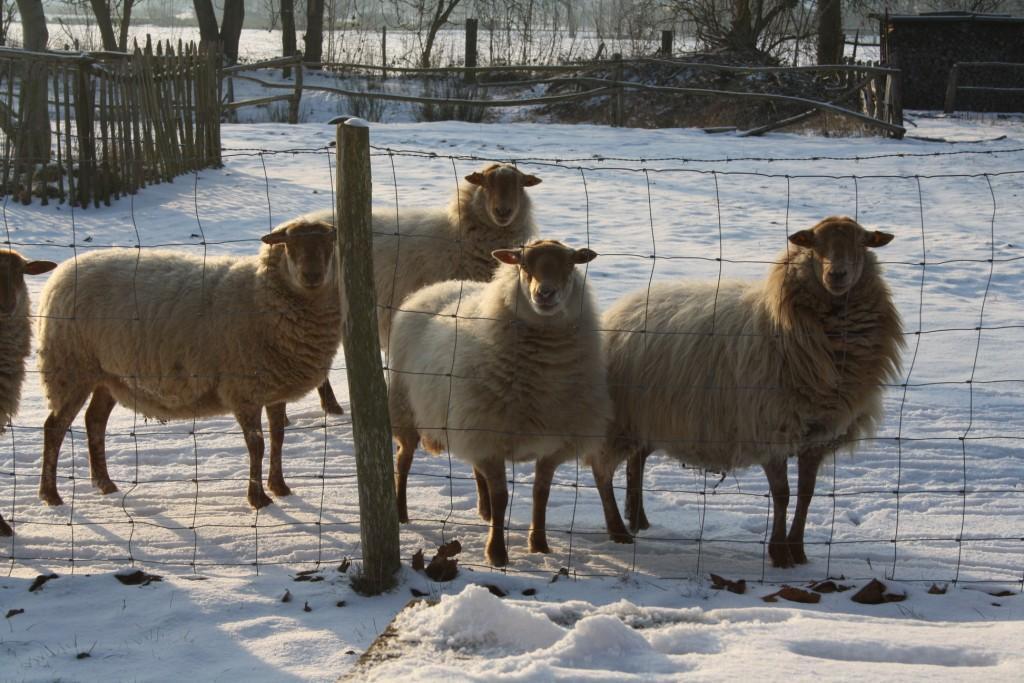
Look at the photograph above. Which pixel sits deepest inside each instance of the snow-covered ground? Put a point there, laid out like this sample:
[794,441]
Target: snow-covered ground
[937,497]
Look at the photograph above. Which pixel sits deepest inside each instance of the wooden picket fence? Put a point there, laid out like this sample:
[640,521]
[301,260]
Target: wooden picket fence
[117,121]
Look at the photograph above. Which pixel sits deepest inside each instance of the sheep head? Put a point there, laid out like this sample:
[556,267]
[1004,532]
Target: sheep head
[503,185]
[546,269]
[13,269]
[838,245]
[309,252]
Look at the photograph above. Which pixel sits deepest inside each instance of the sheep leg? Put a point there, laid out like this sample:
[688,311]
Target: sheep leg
[96,416]
[54,428]
[249,420]
[603,467]
[807,476]
[276,419]
[543,473]
[635,491]
[5,528]
[483,496]
[407,440]
[327,399]
[497,487]
[778,483]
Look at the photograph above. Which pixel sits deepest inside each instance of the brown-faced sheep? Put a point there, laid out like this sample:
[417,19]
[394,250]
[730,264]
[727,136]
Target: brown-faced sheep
[176,336]
[15,335]
[507,370]
[749,373]
[418,247]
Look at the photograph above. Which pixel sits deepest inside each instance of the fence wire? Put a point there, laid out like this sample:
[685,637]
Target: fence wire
[328,533]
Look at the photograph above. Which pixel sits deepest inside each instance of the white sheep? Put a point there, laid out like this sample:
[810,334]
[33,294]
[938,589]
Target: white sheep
[512,370]
[749,373]
[15,335]
[418,247]
[176,336]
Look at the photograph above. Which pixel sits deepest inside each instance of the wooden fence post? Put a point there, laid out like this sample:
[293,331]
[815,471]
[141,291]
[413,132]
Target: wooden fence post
[470,76]
[617,115]
[296,100]
[666,43]
[951,85]
[384,52]
[371,427]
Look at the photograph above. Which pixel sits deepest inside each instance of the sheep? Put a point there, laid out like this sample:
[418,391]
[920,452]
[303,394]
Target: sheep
[512,369]
[15,335]
[418,247]
[176,336]
[743,373]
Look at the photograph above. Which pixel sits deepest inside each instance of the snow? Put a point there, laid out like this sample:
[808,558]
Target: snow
[641,611]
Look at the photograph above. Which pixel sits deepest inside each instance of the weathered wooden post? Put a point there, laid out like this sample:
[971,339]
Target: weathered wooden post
[951,86]
[617,114]
[384,52]
[470,50]
[371,427]
[296,101]
[666,43]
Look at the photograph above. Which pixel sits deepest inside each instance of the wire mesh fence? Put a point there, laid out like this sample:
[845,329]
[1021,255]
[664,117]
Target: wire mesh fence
[934,495]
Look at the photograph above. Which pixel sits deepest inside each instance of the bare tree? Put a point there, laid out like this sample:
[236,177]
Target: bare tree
[763,26]
[33,134]
[830,32]
[288,46]
[7,9]
[231,25]
[437,11]
[314,37]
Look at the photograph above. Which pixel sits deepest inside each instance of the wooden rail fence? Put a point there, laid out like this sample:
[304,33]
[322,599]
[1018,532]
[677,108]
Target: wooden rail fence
[91,127]
[953,86]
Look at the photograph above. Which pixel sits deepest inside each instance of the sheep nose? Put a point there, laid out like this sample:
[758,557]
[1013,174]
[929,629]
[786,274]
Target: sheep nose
[837,275]
[546,293]
[503,213]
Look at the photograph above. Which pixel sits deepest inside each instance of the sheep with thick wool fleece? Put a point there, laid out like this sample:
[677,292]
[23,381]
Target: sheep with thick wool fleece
[15,335]
[416,247]
[733,374]
[510,370]
[177,336]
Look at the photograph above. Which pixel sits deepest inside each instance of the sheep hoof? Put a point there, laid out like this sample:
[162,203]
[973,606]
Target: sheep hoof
[497,559]
[278,487]
[539,543]
[50,497]
[259,499]
[5,529]
[105,486]
[621,537]
[780,555]
[333,408]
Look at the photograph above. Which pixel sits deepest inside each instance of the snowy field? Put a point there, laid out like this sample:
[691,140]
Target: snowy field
[937,497]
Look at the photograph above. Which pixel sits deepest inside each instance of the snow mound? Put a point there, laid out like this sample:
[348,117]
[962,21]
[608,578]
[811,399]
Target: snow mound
[476,619]
[603,642]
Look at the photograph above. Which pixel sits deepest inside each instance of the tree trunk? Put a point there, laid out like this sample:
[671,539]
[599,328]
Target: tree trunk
[101,10]
[207,19]
[126,20]
[314,32]
[830,32]
[33,139]
[741,35]
[288,46]
[231,28]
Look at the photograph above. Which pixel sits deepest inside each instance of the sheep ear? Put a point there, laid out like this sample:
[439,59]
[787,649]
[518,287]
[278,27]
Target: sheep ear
[803,238]
[279,237]
[510,256]
[877,239]
[584,256]
[476,178]
[39,267]
[530,180]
